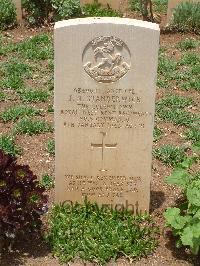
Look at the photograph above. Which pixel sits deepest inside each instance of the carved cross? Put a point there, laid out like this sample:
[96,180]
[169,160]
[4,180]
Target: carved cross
[103,146]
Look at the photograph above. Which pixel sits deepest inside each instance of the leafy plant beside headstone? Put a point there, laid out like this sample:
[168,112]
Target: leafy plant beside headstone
[22,200]
[184,220]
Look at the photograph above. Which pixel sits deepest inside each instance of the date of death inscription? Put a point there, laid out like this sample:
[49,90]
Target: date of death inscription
[94,108]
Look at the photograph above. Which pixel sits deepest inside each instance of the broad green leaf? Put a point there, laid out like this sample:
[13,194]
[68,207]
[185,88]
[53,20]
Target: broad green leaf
[187,163]
[193,193]
[174,219]
[196,147]
[170,213]
[197,215]
[192,210]
[191,237]
[196,230]
[187,236]
[179,177]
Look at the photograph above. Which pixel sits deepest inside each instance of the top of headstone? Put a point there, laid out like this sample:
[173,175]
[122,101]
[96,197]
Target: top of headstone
[106,20]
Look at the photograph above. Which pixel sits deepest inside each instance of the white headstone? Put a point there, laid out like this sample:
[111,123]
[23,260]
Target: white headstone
[105,75]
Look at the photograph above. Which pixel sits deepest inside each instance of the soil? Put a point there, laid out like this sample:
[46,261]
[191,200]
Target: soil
[33,251]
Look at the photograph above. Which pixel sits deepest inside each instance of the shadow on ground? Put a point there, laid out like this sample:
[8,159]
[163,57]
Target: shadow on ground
[34,247]
[157,199]
[181,253]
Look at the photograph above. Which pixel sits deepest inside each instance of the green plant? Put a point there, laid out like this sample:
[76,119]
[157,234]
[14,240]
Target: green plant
[32,127]
[195,70]
[166,69]
[135,5]
[174,101]
[157,133]
[38,47]
[66,9]
[16,68]
[145,7]
[22,201]
[171,109]
[193,134]
[7,144]
[160,6]
[166,66]
[7,14]
[185,73]
[190,58]
[187,44]
[51,82]
[177,117]
[188,75]
[50,108]
[6,45]
[162,82]
[96,10]
[12,82]
[51,65]
[47,181]
[170,155]
[186,17]
[15,112]
[98,234]
[51,146]
[38,11]
[185,220]
[2,96]
[193,83]
[33,96]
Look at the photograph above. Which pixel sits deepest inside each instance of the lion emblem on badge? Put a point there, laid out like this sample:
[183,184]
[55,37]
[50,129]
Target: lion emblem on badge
[106,59]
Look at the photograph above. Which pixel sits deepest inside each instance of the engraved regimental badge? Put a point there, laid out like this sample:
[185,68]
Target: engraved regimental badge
[106,59]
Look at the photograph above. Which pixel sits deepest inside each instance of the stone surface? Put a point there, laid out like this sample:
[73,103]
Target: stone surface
[172,4]
[105,75]
[18,5]
[120,5]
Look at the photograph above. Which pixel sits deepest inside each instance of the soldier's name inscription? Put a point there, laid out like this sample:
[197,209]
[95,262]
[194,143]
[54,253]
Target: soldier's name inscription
[88,108]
